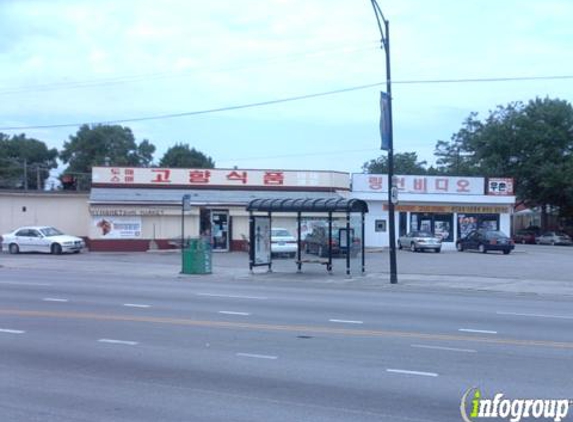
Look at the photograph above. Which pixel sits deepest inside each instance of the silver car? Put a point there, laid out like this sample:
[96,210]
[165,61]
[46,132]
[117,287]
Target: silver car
[554,238]
[418,240]
[40,239]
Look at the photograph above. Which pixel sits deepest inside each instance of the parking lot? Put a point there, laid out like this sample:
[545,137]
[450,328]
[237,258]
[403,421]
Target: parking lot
[528,268]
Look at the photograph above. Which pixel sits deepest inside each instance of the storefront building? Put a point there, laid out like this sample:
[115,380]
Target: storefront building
[449,207]
[136,209]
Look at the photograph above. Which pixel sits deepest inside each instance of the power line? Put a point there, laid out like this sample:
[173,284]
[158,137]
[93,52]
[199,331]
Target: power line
[306,154]
[290,99]
[90,83]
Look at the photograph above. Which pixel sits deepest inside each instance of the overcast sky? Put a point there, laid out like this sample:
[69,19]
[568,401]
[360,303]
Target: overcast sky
[95,61]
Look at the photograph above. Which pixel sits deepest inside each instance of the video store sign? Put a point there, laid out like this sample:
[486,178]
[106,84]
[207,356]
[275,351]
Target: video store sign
[500,186]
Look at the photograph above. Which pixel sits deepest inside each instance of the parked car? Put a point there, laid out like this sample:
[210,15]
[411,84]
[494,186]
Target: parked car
[554,238]
[486,240]
[40,239]
[417,240]
[525,236]
[316,242]
[282,242]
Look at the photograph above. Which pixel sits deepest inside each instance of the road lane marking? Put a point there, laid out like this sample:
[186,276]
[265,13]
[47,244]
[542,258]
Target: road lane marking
[471,330]
[234,313]
[406,372]
[297,329]
[231,296]
[535,315]
[345,321]
[449,349]
[136,305]
[255,356]
[17,283]
[125,342]
[54,299]
[9,331]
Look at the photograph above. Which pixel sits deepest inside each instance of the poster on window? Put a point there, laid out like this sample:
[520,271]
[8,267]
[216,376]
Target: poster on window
[261,238]
[117,227]
[442,230]
[466,223]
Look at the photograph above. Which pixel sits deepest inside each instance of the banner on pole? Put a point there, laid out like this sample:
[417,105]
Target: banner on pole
[385,120]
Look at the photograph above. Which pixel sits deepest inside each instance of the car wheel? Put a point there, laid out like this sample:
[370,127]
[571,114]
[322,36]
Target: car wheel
[413,247]
[459,247]
[482,248]
[292,255]
[437,250]
[399,245]
[13,248]
[553,243]
[506,252]
[56,249]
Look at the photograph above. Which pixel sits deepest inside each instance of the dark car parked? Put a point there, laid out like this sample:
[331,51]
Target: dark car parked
[317,242]
[526,236]
[486,240]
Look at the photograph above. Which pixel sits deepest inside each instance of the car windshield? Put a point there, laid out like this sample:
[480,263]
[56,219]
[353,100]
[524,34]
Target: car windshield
[280,233]
[50,231]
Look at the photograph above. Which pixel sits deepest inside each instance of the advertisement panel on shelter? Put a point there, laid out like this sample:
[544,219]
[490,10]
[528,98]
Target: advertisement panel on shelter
[261,239]
[109,227]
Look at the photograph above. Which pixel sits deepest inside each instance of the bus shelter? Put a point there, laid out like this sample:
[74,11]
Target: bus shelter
[260,229]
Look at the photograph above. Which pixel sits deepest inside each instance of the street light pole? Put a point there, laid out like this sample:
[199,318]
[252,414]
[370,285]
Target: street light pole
[385,45]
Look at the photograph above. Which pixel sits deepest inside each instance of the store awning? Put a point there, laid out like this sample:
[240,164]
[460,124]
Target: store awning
[308,205]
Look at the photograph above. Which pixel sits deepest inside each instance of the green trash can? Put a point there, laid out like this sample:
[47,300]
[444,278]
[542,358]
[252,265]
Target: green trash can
[197,257]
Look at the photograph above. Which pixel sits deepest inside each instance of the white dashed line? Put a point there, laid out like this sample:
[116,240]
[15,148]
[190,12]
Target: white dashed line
[251,355]
[136,305]
[54,299]
[234,313]
[17,283]
[535,315]
[448,349]
[231,296]
[127,343]
[406,372]
[471,330]
[345,321]
[8,331]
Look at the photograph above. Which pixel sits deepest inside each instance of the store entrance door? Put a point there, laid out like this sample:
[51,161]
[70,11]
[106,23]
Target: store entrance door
[220,230]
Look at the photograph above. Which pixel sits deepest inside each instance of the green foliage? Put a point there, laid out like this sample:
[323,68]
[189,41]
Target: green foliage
[181,156]
[25,162]
[101,145]
[533,143]
[404,163]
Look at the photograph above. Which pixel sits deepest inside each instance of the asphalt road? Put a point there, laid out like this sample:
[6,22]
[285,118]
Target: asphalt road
[77,346]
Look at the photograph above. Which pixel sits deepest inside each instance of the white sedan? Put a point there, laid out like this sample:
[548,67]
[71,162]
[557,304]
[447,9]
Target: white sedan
[40,239]
[282,242]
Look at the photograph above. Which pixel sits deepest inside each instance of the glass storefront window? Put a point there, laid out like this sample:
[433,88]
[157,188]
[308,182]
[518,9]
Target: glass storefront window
[469,222]
[438,224]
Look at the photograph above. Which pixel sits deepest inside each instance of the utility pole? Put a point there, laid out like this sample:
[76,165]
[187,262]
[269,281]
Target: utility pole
[25,174]
[388,138]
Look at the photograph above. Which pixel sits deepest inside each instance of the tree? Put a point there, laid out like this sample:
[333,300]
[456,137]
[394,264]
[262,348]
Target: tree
[181,156]
[25,163]
[101,145]
[533,143]
[404,163]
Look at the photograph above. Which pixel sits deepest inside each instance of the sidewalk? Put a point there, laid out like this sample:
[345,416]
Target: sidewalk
[531,271]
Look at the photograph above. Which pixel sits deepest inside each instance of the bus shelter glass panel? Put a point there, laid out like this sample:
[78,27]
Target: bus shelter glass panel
[356,243]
